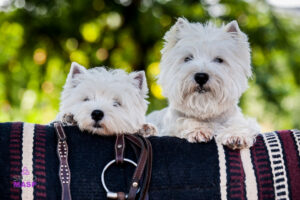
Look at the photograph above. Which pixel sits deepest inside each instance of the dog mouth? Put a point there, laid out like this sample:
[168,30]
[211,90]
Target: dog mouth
[96,125]
[202,90]
[100,129]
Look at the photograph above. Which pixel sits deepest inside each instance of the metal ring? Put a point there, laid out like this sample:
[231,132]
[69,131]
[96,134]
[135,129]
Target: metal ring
[110,194]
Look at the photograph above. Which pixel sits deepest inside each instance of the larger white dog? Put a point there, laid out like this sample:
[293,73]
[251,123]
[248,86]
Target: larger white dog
[204,71]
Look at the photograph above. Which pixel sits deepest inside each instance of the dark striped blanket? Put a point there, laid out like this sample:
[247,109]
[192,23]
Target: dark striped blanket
[29,166]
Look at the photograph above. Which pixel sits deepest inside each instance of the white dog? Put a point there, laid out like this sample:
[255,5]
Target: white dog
[204,71]
[105,102]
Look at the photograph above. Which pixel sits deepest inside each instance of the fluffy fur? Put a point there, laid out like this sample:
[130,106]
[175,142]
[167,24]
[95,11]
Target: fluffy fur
[117,97]
[200,112]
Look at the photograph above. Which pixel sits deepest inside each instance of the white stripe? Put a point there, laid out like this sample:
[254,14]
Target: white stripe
[222,163]
[296,134]
[277,161]
[250,180]
[27,156]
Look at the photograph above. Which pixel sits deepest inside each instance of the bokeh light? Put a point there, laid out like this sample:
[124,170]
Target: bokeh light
[28,100]
[114,20]
[48,87]
[40,56]
[156,90]
[102,54]
[153,70]
[79,57]
[90,31]
[71,44]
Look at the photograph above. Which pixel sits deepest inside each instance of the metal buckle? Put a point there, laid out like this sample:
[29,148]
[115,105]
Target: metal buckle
[110,194]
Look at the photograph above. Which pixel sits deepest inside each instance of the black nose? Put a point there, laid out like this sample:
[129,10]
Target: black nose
[97,115]
[201,78]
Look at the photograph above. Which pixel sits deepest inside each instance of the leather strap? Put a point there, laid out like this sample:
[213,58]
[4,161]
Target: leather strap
[147,178]
[119,149]
[137,175]
[144,162]
[64,170]
[121,196]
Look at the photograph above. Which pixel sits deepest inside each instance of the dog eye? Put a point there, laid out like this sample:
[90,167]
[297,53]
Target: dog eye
[86,99]
[117,104]
[188,58]
[218,60]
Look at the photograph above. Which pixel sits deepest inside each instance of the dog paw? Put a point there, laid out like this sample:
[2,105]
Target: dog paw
[148,130]
[68,119]
[198,136]
[236,141]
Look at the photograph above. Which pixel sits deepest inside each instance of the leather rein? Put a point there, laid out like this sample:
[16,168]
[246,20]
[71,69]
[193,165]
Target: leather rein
[141,177]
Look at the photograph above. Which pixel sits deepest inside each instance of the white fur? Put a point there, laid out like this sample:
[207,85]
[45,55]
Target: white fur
[198,116]
[119,95]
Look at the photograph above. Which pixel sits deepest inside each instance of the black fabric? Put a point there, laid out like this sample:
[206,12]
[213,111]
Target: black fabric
[181,170]
[4,160]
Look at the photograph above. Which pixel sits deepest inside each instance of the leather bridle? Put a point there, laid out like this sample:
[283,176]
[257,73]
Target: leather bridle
[140,180]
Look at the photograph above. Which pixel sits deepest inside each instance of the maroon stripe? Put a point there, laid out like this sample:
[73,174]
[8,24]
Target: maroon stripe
[41,194]
[15,155]
[41,173]
[15,151]
[40,180]
[42,144]
[16,168]
[41,187]
[40,149]
[263,171]
[15,135]
[39,162]
[235,175]
[38,154]
[40,166]
[15,145]
[14,163]
[291,156]
[14,189]
[15,141]
[42,139]
[12,196]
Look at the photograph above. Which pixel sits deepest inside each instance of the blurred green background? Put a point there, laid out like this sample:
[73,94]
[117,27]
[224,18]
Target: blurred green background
[40,39]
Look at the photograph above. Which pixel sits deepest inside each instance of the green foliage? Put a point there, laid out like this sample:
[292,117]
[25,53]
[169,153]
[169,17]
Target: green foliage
[39,41]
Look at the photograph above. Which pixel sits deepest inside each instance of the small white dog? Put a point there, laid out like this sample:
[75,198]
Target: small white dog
[105,102]
[204,71]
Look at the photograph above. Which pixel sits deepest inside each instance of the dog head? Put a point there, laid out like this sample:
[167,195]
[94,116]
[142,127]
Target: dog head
[105,101]
[204,68]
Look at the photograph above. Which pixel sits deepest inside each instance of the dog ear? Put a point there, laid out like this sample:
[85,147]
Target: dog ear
[140,81]
[74,71]
[232,27]
[172,36]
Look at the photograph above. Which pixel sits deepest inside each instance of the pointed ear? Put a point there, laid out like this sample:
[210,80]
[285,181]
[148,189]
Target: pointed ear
[181,23]
[140,81]
[74,71]
[232,27]
[173,35]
